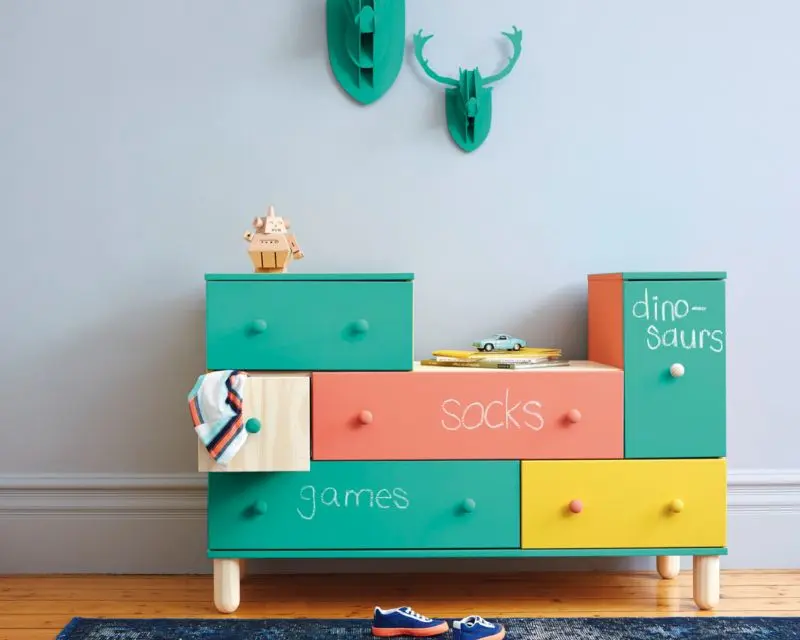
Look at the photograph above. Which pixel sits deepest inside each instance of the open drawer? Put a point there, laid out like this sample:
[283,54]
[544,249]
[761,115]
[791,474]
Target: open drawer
[276,421]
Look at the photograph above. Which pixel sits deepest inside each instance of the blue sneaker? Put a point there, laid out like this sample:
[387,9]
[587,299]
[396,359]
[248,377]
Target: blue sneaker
[476,628]
[404,621]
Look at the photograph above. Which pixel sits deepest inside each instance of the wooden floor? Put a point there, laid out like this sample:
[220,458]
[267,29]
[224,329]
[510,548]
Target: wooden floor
[37,607]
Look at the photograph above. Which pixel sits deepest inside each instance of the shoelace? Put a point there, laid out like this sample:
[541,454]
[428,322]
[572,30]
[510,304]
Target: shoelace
[471,621]
[410,612]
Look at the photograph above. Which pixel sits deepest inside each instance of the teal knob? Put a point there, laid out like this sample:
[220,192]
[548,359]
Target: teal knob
[259,326]
[361,326]
[468,505]
[260,507]
[253,425]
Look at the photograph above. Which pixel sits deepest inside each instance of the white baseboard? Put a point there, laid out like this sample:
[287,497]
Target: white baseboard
[759,490]
[145,523]
[108,495]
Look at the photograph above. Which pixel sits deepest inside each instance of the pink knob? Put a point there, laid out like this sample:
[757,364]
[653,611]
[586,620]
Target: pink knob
[573,415]
[576,506]
[365,417]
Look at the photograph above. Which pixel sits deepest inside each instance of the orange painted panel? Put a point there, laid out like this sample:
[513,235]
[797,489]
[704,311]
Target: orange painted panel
[604,320]
[450,414]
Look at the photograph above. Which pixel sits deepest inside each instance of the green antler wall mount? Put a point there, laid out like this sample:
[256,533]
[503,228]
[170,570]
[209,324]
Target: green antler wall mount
[468,100]
[366,45]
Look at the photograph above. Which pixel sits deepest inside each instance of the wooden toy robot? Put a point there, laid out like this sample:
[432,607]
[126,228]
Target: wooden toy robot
[271,247]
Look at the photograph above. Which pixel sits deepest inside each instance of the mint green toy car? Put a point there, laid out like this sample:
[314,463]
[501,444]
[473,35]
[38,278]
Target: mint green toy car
[500,341]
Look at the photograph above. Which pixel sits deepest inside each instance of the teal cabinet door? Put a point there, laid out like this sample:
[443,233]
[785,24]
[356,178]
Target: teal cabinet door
[368,505]
[300,325]
[675,352]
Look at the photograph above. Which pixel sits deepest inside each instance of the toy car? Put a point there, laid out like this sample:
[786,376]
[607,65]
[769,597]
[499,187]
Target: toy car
[500,341]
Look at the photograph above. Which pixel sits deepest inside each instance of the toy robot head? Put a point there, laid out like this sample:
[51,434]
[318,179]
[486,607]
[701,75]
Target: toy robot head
[271,223]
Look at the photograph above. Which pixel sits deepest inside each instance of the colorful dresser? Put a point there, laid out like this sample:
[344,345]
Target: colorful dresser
[354,450]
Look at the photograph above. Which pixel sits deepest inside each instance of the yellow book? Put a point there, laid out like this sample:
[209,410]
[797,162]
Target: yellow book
[495,364]
[526,353]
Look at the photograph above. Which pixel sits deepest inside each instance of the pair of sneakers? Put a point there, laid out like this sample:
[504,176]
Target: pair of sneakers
[404,621]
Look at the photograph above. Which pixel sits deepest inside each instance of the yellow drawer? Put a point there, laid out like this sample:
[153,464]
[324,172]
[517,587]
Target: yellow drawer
[623,503]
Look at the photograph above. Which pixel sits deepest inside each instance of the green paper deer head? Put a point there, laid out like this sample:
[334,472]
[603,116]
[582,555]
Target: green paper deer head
[468,101]
[366,45]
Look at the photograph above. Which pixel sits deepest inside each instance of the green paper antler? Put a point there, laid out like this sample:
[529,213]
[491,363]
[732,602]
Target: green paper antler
[516,41]
[419,45]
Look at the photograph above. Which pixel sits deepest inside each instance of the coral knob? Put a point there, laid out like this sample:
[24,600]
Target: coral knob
[365,417]
[573,415]
[677,370]
[676,506]
[576,506]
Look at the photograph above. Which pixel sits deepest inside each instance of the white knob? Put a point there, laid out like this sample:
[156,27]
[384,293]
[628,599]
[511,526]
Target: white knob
[677,370]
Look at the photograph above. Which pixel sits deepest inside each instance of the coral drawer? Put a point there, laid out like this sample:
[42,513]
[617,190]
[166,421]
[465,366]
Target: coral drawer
[368,505]
[623,503]
[437,413]
[667,331]
[291,322]
[276,415]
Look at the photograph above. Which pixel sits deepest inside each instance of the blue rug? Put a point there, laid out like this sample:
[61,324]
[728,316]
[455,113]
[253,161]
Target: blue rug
[727,628]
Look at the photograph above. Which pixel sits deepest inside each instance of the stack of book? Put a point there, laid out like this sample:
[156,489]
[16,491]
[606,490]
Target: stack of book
[527,358]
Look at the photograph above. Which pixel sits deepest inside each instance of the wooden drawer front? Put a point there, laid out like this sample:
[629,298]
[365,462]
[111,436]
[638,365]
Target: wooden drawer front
[667,323]
[368,505]
[436,413]
[623,503]
[277,416]
[309,325]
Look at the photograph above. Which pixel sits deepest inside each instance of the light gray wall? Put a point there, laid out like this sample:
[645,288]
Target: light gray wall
[139,139]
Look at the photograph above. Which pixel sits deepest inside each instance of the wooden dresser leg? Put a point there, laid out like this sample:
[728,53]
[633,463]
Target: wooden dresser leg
[668,566]
[705,580]
[226,584]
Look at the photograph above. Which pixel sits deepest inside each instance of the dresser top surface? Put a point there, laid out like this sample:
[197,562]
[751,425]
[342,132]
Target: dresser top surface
[660,275]
[310,277]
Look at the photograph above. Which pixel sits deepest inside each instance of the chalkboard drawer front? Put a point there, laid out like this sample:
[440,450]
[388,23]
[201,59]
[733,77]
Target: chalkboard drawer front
[368,505]
[675,351]
[437,413]
[275,425]
[623,503]
[299,325]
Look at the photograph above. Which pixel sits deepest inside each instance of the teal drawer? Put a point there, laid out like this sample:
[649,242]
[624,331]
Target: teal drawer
[368,505]
[300,322]
[668,332]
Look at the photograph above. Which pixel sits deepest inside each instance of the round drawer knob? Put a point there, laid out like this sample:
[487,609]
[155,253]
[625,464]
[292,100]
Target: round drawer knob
[677,370]
[365,417]
[676,506]
[576,506]
[258,326]
[260,507]
[468,505]
[573,415]
[253,425]
[361,326]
